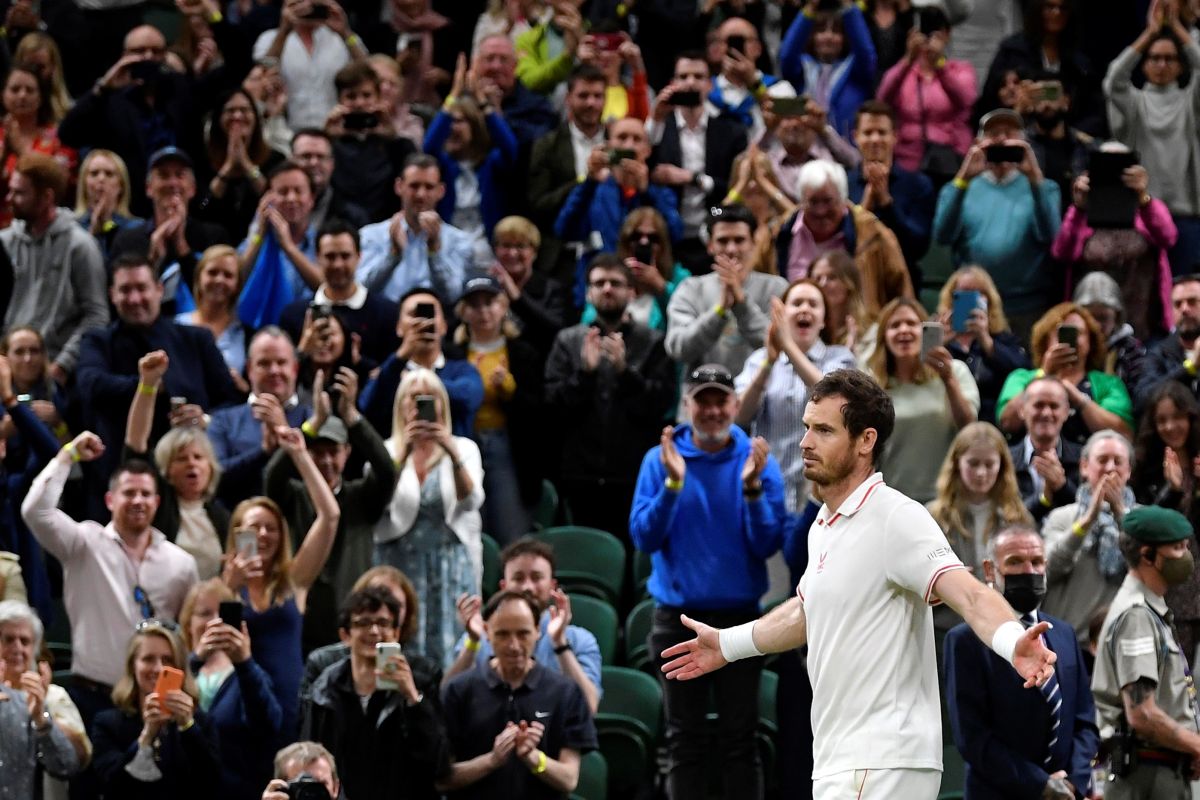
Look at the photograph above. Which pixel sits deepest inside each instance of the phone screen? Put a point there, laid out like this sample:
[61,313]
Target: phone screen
[685,99]
[246,541]
[1068,335]
[1004,153]
[231,613]
[424,310]
[965,303]
[737,43]
[383,652]
[426,410]
[931,336]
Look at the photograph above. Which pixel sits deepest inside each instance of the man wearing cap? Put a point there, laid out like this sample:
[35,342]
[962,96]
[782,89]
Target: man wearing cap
[362,501]
[709,509]
[1018,744]
[1001,213]
[1145,696]
[609,384]
[172,235]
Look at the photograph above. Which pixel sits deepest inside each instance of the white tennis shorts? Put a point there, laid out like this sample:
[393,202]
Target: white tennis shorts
[879,784]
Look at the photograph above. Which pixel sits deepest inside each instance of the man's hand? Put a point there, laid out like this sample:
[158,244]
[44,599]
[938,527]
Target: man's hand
[276,790]
[1054,475]
[589,355]
[560,617]
[673,462]
[397,669]
[118,76]
[756,461]
[633,174]
[468,607]
[732,276]
[974,163]
[1137,179]
[528,739]
[346,383]
[504,744]
[1029,165]
[87,446]
[612,347]
[695,657]
[597,165]
[876,175]
[1032,660]
[1079,191]
[738,68]
[670,175]
[1058,787]
[186,415]
[431,225]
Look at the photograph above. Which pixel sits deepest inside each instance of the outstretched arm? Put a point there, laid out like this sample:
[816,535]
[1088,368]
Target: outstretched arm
[783,629]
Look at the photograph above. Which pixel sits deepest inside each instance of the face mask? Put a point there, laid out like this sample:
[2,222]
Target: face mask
[1177,570]
[1024,591]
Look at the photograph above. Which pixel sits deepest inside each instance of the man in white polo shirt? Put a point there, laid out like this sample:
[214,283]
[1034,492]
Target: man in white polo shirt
[877,562]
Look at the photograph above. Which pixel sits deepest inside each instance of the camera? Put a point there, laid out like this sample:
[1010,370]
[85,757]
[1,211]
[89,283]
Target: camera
[306,787]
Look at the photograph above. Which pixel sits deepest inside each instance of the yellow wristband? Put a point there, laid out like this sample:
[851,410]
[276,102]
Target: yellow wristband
[307,428]
[719,310]
[188,725]
[673,485]
[472,645]
[1190,366]
[61,430]
[1078,529]
[734,196]
[959,183]
[1039,373]
[449,102]
[70,450]
[541,765]
[256,239]
[1045,501]
[215,18]
[941,62]
[147,389]
[352,40]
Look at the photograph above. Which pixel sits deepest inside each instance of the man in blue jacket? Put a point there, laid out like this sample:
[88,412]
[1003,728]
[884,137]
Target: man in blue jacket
[709,509]
[1020,744]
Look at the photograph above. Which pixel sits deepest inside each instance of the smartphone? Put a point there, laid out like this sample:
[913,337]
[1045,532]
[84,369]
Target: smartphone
[685,99]
[319,311]
[1004,153]
[618,154]
[789,106]
[608,42]
[178,402]
[24,398]
[1047,92]
[145,71]
[360,120]
[931,336]
[318,11]
[1068,335]
[383,652]
[424,311]
[965,303]
[426,410]
[169,679]
[644,253]
[230,612]
[737,43]
[246,541]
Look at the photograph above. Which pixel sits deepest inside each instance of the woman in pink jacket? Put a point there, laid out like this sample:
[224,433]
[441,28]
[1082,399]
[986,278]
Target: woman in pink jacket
[932,97]
[1136,257]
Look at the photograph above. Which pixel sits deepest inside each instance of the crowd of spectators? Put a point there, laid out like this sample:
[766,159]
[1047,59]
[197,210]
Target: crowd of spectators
[302,300]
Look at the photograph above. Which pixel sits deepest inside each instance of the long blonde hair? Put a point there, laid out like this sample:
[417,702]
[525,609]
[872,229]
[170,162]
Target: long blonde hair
[279,572]
[997,321]
[411,380]
[125,693]
[949,507]
[213,586]
[881,363]
[83,201]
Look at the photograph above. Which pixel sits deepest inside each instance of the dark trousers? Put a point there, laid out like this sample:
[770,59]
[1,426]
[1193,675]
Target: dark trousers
[793,710]
[596,504]
[692,744]
[90,698]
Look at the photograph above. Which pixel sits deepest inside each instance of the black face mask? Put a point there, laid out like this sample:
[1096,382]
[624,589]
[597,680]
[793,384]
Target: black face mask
[1024,591]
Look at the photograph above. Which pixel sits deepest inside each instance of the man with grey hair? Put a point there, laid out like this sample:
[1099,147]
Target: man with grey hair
[303,760]
[1085,566]
[39,725]
[826,222]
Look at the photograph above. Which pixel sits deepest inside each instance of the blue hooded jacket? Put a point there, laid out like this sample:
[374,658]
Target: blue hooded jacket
[707,543]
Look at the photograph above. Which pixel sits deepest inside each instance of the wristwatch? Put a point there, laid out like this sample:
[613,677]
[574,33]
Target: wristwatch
[562,648]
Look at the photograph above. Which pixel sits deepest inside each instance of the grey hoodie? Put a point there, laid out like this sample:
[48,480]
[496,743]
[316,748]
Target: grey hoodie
[59,284]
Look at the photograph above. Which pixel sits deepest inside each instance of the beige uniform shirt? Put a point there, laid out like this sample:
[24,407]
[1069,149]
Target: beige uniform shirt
[1135,645]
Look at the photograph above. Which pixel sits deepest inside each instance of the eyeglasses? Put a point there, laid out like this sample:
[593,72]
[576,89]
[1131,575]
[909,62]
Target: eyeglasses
[169,625]
[600,283]
[383,623]
[143,600]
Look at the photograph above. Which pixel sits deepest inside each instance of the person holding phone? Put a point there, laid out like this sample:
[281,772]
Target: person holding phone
[326,346]
[239,160]
[233,689]
[934,395]
[1158,120]
[976,332]
[1001,213]
[432,528]
[1068,345]
[740,87]
[377,712]
[155,743]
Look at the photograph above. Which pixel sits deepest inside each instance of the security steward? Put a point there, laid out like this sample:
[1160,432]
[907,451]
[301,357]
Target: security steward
[1145,696]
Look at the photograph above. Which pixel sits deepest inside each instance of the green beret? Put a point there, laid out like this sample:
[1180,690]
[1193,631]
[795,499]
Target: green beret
[1157,525]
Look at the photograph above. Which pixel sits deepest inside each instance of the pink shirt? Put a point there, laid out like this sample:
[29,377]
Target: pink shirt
[99,573]
[945,104]
[804,249]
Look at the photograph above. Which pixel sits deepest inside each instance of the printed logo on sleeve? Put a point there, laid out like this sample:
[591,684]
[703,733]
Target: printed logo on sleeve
[940,552]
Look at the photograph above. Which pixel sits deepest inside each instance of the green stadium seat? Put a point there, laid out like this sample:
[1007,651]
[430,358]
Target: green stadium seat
[587,561]
[491,567]
[628,726]
[600,619]
[547,508]
[637,628]
[593,778]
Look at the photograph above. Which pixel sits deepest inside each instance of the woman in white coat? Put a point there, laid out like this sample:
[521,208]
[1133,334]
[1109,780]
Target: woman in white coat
[432,529]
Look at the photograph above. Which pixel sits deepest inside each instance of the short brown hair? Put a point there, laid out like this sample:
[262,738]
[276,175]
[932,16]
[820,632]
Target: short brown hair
[44,173]
[506,595]
[867,405]
[875,108]
[412,605]
[527,546]
[355,73]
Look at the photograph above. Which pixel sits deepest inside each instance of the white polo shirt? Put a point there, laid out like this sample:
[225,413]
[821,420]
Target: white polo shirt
[867,594]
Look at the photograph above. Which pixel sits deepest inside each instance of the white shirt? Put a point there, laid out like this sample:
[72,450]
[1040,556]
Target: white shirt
[308,76]
[582,146]
[354,301]
[867,594]
[99,576]
[693,144]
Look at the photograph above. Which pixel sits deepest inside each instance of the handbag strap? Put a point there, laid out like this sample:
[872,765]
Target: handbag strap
[921,103]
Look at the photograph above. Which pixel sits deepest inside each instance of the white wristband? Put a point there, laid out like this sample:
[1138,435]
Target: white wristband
[1004,640]
[738,642]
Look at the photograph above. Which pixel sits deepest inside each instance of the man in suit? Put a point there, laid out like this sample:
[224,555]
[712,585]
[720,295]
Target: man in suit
[694,149]
[1047,465]
[559,159]
[1020,744]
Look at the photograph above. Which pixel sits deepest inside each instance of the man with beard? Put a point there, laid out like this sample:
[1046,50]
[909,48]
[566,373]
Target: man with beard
[877,561]
[610,383]
[1175,358]
[1061,151]
[709,509]
[1020,744]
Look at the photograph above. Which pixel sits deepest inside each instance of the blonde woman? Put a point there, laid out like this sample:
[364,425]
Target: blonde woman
[981,339]
[432,529]
[152,746]
[218,283]
[273,585]
[102,197]
[933,393]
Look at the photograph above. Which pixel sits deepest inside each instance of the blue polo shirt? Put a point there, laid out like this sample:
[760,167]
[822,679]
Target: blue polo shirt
[583,643]
[477,705]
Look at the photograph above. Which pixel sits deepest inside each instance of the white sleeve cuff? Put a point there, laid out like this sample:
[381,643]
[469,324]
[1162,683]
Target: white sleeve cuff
[738,642]
[1004,640]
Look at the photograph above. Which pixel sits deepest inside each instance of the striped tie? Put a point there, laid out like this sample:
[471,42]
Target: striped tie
[1053,699]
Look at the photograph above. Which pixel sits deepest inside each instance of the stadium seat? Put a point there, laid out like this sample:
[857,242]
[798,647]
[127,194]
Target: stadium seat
[954,773]
[600,619]
[637,628]
[628,726]
[547,508]
[593,778]
[641,572]
[587,561]
[491,567]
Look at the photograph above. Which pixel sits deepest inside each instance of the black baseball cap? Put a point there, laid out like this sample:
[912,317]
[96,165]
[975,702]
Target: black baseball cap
[484,283]
[169,153]
[709,376]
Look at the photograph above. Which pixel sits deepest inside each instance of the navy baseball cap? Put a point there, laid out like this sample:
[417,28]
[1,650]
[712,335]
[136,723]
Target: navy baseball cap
[169,153]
